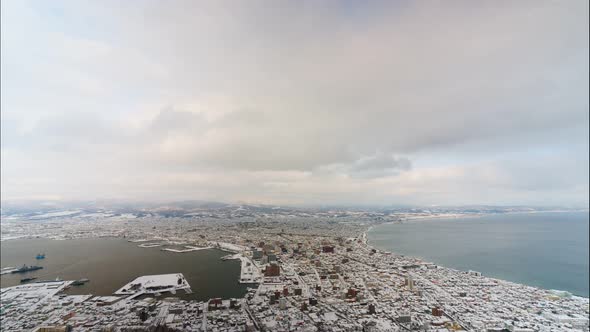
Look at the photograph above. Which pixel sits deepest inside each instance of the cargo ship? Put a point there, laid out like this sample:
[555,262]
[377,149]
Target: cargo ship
[26,268]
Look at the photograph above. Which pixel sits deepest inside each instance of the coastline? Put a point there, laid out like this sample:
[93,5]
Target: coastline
[476,215]
[365,239]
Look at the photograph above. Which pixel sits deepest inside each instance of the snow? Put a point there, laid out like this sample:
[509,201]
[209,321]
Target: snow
[330,317]
[151,284]
[55,214]
[230,246]
[127,216]
[249,271]
[188,249]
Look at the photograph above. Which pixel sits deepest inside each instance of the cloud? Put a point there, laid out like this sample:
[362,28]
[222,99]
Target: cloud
[367,167]
[380,164]
[295,101]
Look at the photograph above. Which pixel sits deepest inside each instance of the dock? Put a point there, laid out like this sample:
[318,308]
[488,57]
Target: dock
[152,284]
[188,249]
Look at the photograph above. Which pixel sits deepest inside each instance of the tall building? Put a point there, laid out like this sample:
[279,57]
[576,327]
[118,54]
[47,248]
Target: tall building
[409,282]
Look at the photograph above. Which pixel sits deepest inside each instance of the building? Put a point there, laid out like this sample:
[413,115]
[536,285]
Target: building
[436,311]
[328,249]
[283,303]
[215,303]
[409,282]
[272,270]
[351,294]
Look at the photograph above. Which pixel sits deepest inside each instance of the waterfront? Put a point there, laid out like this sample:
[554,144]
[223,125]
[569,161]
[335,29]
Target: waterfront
[318,270]
[110,263]
[546,250]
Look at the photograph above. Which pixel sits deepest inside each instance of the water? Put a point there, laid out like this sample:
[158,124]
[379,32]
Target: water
[110,263]
[546,250]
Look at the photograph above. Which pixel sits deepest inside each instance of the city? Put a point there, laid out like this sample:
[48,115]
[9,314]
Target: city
[306,271]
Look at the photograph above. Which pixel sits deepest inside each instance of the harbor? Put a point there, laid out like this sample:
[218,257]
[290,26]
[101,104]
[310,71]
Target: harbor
[265,275]
[77,260]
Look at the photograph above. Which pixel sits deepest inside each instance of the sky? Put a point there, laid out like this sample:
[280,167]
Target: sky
[296,102]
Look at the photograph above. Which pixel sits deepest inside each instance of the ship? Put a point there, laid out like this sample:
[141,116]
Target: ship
[80,282]
[26,268]
[24,280]
[40,256]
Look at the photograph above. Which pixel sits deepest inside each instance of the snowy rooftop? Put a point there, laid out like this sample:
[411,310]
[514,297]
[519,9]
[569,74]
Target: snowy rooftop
[154,283]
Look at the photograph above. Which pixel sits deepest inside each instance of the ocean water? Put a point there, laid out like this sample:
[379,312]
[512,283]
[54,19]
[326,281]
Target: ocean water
[546,250]
[110,263]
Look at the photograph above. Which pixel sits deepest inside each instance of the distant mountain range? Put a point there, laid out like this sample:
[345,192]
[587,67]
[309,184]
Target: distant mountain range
[59,209]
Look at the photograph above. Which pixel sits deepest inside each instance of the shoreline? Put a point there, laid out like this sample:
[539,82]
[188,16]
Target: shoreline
[365,236]
[478,215]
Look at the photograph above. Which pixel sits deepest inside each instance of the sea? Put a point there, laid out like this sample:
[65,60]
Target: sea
[548,250]
[110,263]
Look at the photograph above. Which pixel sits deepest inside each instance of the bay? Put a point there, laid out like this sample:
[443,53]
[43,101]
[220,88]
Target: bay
[547,250]
[110,263]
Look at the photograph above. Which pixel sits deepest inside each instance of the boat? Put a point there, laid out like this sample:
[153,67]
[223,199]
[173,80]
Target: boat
[24,280]
[40,256]
[26,268]
[80,282]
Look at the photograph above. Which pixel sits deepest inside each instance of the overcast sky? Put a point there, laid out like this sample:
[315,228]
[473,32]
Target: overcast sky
[300,102]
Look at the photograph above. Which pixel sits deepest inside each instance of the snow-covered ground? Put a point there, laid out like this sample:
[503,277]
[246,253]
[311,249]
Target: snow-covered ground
[152,284]
[55,214]
[229,246]
[188,249]
[39,290]
[249,271]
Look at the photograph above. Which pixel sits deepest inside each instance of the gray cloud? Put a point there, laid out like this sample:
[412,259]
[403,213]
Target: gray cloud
[296,101]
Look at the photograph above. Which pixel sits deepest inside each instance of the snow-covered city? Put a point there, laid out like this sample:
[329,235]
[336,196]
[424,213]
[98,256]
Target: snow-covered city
[305,270]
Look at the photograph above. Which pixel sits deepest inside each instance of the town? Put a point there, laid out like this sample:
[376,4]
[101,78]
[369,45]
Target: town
[306,271]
